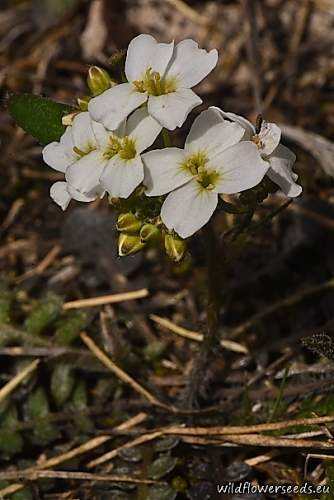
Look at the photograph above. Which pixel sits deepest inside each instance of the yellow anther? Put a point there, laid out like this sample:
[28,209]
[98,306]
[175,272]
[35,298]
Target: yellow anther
[153,84]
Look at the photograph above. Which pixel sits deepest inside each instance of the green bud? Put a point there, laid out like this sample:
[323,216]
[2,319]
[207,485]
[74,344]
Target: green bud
[175,247]
[128,223]
[149,232]
[128,244]
[83,102]
[98,80]
[68,119]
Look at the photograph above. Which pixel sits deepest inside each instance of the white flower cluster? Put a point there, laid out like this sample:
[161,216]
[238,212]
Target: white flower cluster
[103,148]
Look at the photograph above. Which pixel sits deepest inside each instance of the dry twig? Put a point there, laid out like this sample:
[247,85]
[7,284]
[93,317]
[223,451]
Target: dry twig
[198,337]
[106,299]
[122,375]
[15,381]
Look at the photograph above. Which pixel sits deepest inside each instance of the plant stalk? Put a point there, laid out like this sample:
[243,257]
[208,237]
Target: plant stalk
[215,272]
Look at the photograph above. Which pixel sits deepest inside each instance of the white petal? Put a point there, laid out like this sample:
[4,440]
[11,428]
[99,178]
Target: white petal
[82,131]
[145,52]
[163,172]
[101,134]
[60,195]
[189,64]
[112,106]
[121,129]
[84,174]
[211,133]
[188,208]
[120,178]
[77,196]
[171,110]
[281,173]
[59,155]
[270,136]
[241,167]
[246,124]
[143,128]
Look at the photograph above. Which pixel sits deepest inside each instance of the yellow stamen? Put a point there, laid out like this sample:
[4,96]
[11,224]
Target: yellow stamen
[83,152]
[125,147]
[153,84]
[198,165]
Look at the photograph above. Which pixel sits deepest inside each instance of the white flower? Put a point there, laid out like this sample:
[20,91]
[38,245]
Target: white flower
[160,74]
[123,169]
[76,155]
[96,160]
[280,158]
[213,161]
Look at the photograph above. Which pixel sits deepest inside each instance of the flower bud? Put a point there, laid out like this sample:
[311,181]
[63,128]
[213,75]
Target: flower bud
[83,102]
[175,247]
[128,223]
[128,244]
[68,119]
[98,80]
[149,232]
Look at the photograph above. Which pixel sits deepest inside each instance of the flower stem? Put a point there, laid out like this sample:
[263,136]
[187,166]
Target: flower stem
[166,138]
[215,270]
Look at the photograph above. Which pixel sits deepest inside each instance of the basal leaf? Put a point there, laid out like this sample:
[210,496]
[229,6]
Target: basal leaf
[39,116]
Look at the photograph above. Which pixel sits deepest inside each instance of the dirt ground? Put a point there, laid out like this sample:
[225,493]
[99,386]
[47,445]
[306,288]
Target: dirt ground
[94,401]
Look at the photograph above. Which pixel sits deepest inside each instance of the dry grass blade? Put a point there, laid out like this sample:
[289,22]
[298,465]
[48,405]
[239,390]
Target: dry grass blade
[277,442]
[317,456]
[12,214]
[106,299]
[247,429]
[81,476]
[192,335]
[14,382]
[132,422]
[121,374]
[131,444]
[260,459]
[258,440]
[179,330]
[43,265]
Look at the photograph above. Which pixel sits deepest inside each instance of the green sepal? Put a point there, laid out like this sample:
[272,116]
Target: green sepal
[39,116]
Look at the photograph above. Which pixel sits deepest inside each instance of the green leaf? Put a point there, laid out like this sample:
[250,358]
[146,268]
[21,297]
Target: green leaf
[163,492]
[37,407]
[43,314]
[62,383]
[39,116]
[70,327]
[161,466]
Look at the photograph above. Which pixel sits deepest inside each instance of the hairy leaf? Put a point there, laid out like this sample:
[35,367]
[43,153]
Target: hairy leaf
[39,116]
